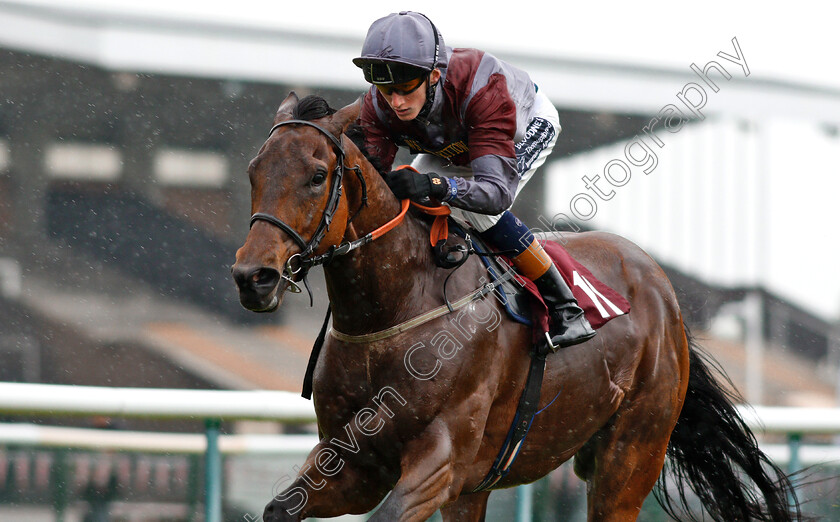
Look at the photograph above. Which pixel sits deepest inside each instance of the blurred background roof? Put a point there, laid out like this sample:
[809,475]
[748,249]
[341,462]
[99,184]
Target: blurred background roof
[162,103]
[634,59]
[781,44]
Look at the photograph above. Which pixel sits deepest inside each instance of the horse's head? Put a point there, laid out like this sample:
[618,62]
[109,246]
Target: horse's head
[297,203]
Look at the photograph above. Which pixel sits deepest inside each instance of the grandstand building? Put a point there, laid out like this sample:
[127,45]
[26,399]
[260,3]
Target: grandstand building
[124,143]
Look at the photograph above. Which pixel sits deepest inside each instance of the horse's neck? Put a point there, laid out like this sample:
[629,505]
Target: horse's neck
[379,284]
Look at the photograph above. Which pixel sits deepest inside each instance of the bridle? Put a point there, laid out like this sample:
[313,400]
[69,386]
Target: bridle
[300,263]
[304,259]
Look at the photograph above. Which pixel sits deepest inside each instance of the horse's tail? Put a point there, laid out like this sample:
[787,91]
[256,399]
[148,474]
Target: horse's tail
[709,445]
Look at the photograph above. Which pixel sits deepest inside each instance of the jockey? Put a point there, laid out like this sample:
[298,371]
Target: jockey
[480,128]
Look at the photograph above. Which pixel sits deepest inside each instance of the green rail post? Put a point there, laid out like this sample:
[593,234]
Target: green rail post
[794,442]
[212,473]
[61,484]
[524,501]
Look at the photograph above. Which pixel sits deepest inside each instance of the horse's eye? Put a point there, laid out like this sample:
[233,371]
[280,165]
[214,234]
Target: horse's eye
[319,178]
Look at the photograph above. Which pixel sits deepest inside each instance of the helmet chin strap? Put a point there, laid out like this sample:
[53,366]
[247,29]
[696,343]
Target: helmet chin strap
[430,100]
[430,89]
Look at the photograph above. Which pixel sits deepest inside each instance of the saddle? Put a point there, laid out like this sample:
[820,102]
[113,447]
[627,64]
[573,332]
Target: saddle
[520,296]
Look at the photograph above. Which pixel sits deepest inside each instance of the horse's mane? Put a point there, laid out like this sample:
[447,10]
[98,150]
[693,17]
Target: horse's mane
[313,107]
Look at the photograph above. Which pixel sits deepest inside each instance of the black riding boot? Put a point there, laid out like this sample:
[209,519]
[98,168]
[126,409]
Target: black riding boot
[568,325]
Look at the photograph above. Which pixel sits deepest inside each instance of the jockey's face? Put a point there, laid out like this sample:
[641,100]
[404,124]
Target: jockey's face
[407,99]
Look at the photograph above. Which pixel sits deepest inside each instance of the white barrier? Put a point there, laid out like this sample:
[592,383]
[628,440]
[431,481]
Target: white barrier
[803,421]
[215,406]
[210,405]
[35,435]
[151,442]
[54,399]
[287,407]
[807,455]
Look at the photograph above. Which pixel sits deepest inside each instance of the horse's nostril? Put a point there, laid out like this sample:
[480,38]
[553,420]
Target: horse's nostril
[268,514]
[265,278]
[261,279]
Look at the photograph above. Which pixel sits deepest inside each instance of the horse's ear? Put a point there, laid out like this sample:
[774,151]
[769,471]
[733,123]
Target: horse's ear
[345,116]
[284,112]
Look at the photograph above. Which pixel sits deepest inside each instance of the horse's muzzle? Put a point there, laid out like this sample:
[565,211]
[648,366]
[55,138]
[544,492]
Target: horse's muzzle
[274,512]
[258,287]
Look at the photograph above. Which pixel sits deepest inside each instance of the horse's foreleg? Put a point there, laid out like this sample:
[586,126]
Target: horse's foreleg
[468,508]
[327,485]
[427,475]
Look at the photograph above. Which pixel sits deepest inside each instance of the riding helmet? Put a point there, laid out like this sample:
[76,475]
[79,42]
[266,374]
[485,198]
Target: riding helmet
[401,47]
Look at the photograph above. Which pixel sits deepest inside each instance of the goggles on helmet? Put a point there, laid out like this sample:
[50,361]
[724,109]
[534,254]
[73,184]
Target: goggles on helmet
[403,89]
[390,73]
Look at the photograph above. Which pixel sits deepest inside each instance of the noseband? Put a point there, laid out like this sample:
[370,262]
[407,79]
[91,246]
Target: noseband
[305,262]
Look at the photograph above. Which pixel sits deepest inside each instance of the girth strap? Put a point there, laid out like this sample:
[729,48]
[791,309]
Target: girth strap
[313,358]
[423,318]
[525,413]
[394,330]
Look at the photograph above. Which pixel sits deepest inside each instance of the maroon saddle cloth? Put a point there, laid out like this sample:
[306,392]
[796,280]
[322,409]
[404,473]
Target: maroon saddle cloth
[599,302]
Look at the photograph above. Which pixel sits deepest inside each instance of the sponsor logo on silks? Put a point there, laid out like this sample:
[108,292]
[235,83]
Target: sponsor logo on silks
[448,152]
[538,136]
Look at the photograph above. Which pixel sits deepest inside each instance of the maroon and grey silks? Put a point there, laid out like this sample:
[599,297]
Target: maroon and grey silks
[482,117]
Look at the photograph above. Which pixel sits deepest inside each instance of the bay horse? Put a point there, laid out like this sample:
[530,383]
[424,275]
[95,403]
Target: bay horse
[416,416]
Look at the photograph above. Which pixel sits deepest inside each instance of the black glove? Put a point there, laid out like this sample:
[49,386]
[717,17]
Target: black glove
[407,184]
